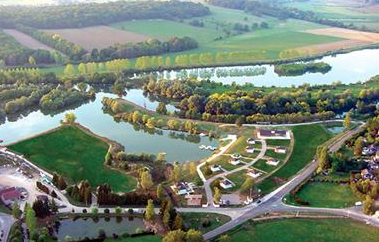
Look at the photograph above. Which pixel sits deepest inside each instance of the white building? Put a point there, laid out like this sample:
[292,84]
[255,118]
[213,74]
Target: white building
[254,173]
[280,150]
[272,162]
[215,168]
[226,184]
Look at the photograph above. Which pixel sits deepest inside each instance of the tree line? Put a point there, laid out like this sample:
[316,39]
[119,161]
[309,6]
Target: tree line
[90,14]
[12,53]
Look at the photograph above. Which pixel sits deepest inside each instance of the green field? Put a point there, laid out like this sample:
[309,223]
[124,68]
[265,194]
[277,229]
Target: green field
[307,138]
[238,179]
[309,230]
[327,195]
[75,155]
[193,221]
[344,11]
[261,165]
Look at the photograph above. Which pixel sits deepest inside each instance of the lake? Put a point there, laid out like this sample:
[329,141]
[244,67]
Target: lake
[178,146]
[80,228]
[347,68]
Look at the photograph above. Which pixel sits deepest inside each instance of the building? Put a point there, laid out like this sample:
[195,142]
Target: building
[182,188]
[366,174]
[249,149]
[215,168]
[371,150]
[250,141]
[376,157]
[272,162]
[254,173]
[194,199]
[280,150]
[10,195]
[273,134]
[226,184]
[235,159]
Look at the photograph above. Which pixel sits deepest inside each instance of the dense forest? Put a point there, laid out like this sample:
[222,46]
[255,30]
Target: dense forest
[13,53]
[259,8]
[196,102]
[90,14]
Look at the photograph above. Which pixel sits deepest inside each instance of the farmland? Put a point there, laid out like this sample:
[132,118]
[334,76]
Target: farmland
[98,36]
[349,12]
[26,40]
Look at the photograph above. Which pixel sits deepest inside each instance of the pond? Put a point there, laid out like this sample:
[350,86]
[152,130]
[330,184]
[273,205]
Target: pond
[136,96]
[178,146]
[80,228]
[347,68]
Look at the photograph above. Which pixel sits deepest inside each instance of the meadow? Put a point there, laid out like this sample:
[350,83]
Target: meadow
[310,230]
[307,139]
[75,155]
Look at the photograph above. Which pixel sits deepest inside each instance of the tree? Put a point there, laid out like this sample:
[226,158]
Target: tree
[178,222]
[177,173]
[30,219]
[70,118]
[118,211]
[161,157]
[367,205]
[82,68]
[174,236]
[216,195]
[194,236]
[192,169]
[240,121]
[16,211]
[161,108]
[53,206]
[347,121]
[160,193]
[358,146]
[69,70]
[119,89]
[146,180]
[247,185]
[94,210]
[32,61]
[82,86]
[322,157]
[224,238]
[150,212]
[166,217]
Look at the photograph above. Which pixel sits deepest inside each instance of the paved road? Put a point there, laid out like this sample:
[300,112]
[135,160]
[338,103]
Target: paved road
[273,201]
[289,125]
[207,184]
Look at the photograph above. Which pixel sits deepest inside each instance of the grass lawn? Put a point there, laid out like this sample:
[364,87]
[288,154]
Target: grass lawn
[238,179]
[307,138]
[273,154]
[262,165]
[278,142]
[223,160]
[74,154]
[310,230]
[147,238]
[193,221]
[240,145]
[327,195]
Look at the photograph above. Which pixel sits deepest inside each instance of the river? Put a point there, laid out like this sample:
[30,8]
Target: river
[348,68]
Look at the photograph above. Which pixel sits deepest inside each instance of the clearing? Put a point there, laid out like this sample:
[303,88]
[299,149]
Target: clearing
[27,41]
[74,154]
[98,37]
[301,229]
